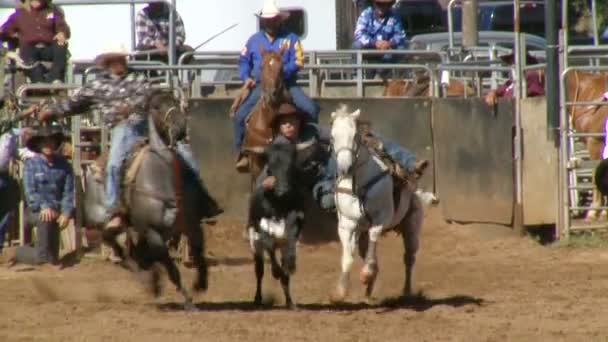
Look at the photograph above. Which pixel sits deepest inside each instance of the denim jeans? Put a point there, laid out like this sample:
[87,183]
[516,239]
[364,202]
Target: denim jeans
[300,100]
[46,248]
[124,137]
[386,58]
[6,214]
[402,156]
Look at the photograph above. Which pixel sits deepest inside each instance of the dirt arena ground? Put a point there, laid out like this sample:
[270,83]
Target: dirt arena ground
[476,283]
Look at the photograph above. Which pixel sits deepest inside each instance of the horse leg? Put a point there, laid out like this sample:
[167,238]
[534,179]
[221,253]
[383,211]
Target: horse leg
[110,236]
[410,228]
[595,148]
[196,240]
[369,272]
[348,239]
[258,258]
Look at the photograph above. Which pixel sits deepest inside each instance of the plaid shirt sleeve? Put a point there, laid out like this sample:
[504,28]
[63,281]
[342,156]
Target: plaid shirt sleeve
[144,29]
[67,200]
[180,30]
[32,196]
[362,34]
[398,40]
[78,103]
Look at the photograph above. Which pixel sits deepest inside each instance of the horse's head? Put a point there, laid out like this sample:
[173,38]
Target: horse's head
[280,160]
[169,115]
[272,74]
[345,138]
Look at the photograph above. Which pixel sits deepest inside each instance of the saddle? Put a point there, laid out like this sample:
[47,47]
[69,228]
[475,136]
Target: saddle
[129,169]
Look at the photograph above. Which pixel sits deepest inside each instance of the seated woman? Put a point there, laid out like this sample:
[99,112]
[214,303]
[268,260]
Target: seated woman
[49,193]
[314,163]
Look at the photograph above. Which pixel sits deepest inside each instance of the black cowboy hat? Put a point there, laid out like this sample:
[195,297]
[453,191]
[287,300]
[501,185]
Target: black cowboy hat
[287,109]
[39,133]
[601,177]
[510,59]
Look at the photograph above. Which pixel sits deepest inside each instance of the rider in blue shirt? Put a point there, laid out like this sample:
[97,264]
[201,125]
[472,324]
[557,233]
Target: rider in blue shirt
[272,37]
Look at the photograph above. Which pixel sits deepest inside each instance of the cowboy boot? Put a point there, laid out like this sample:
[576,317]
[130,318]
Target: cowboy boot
[242,163]
[372,142]
[420,167]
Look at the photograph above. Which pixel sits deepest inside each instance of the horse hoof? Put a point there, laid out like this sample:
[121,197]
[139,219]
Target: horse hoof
[367,275]
[338,295]
[190,307]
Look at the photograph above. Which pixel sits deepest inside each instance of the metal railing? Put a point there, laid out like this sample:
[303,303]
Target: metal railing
[568,177]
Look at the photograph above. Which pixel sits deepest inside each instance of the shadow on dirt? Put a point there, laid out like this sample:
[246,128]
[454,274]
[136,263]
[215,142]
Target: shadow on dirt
[418,303]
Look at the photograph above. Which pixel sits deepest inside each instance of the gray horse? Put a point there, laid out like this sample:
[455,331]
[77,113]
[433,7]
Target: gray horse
[160,206]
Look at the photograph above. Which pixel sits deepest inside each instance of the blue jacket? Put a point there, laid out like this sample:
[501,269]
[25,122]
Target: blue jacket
[49,186]
[251,56]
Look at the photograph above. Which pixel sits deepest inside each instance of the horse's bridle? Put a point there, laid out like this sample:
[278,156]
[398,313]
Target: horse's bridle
[354,149]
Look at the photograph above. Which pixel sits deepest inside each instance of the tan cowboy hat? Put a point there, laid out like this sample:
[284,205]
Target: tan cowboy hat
[111,52]
[271,10]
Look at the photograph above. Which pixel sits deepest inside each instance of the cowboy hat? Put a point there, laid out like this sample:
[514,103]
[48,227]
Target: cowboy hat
[271,11]
[601,177]
[510,59]
[39,133]
[111,52]
[287,109]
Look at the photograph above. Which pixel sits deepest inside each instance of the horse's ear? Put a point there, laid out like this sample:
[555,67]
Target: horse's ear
[261,47]
[333,115]
[356,114]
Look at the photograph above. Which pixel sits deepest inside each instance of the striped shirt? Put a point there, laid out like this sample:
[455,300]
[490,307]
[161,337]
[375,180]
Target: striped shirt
[48,185]
[152,27]
[371,28]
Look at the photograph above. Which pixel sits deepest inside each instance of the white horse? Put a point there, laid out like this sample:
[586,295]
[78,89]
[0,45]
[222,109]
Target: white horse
[364,203]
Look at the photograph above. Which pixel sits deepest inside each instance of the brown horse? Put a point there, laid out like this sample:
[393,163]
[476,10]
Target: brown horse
[259,131]
[421,87]
[588,87]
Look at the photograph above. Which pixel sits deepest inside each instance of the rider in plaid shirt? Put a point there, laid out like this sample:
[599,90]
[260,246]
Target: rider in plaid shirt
[121,97]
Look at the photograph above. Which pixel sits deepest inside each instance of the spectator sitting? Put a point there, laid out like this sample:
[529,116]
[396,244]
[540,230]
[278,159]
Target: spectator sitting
[49,194]
[379,27]
[535,82]
[42,32]
[152,28]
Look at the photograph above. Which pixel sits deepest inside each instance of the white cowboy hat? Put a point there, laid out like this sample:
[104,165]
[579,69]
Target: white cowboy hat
[111,51]
[271,10]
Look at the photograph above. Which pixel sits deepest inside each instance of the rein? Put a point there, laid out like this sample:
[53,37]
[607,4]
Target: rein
[355,190]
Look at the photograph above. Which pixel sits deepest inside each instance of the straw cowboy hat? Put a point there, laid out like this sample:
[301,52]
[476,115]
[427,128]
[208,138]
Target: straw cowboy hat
[111,52]
[271,10]
[38,133]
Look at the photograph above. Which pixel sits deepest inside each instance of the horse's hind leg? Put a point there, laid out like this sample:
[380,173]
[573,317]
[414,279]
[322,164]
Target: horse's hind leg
[410,228]
[258,258]
[196,239]
[159,251]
